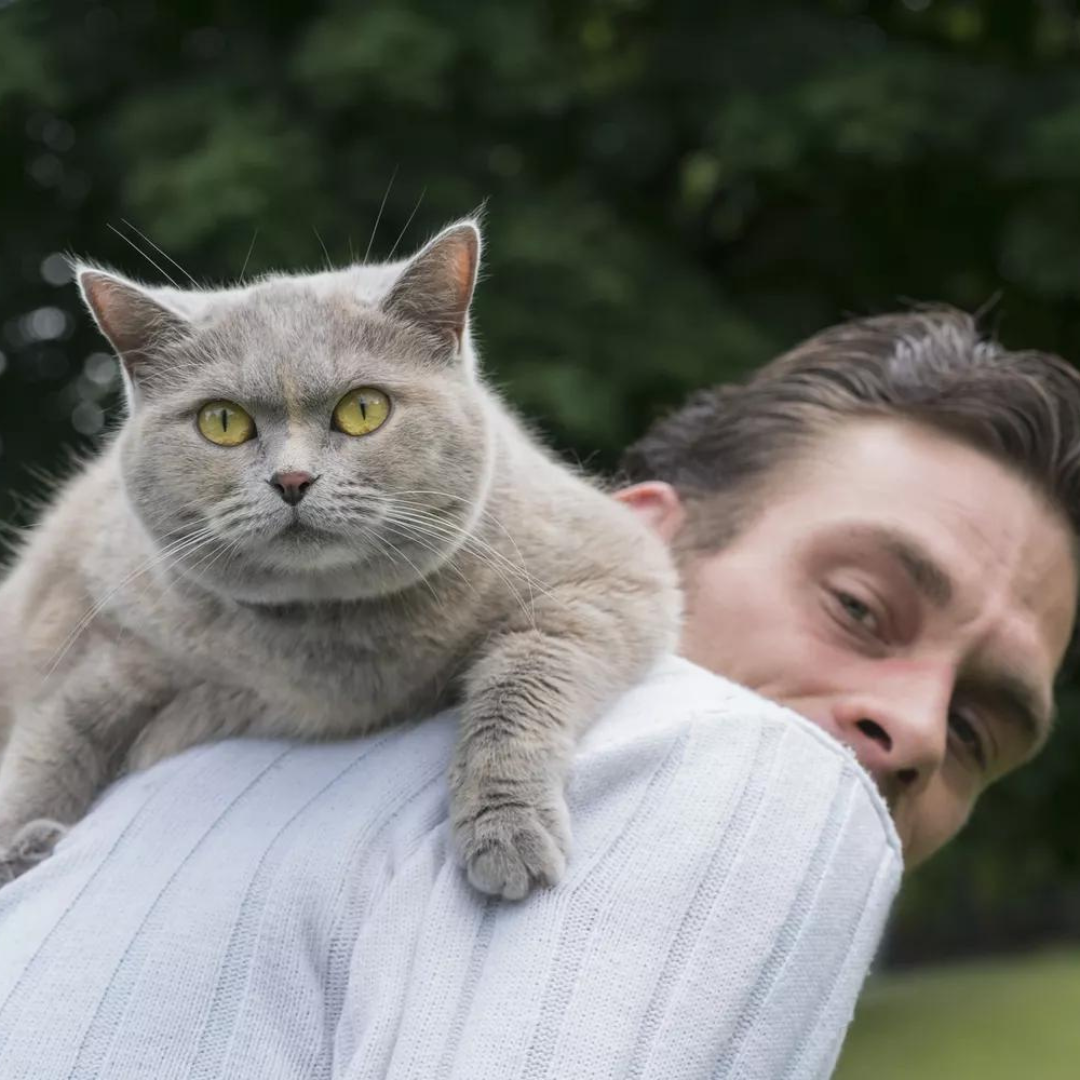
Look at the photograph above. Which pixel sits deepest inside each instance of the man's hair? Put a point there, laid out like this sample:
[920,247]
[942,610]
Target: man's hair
[930,366]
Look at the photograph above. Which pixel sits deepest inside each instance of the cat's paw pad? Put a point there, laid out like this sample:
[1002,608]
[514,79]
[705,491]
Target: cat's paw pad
[508,849]
[33,843]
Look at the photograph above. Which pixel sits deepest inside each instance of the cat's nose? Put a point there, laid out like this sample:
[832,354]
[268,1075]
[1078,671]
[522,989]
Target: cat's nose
[292,486]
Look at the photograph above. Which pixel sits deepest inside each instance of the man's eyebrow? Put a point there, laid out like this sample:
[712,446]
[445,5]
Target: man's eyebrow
[926,573]
[1016,699]
[1020,702]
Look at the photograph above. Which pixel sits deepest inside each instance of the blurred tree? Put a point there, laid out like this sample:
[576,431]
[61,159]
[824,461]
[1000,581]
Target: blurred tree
[675,190]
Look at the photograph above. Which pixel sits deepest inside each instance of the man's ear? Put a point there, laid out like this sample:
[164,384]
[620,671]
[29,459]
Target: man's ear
[658,505]
[435,289]
[135,323]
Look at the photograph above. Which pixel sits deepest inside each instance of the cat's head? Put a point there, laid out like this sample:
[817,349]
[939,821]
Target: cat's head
[310,436]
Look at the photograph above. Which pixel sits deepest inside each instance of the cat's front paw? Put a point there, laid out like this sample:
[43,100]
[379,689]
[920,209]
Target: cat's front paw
[33,843]
[506,849]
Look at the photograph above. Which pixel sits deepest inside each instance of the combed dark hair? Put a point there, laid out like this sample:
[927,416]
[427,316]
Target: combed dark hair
[931,366]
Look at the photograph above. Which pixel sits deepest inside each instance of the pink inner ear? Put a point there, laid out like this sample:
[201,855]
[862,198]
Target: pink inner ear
[129,318]
[463,259]
[101,294]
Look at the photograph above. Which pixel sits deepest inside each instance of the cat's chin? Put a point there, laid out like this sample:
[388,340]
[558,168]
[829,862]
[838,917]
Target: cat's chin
[290,571]
[310,586]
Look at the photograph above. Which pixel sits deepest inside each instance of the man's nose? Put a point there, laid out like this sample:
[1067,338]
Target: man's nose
[900,738]
[292,486]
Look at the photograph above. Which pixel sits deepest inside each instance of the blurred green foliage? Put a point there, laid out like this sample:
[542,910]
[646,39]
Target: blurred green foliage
[675,190]
[981,1020]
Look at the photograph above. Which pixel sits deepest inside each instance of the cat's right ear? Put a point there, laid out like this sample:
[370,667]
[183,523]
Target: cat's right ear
[435,289]
[137,325]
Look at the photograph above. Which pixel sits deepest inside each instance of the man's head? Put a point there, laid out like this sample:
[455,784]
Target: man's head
[879,530]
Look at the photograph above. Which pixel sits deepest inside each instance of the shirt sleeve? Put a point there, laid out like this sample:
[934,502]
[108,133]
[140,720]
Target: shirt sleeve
[732,878]
[260,909]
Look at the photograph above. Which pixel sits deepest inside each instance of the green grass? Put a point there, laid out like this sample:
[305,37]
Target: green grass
[991,1020]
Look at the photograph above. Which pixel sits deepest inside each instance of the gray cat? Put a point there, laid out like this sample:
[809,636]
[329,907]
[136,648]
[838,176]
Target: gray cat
[316,520]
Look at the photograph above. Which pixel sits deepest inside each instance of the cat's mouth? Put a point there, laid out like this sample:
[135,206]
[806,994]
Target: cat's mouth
[297,529]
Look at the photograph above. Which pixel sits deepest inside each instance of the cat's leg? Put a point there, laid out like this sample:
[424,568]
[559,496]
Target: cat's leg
[526,701]
[58,759]
[203,712]
[61,758]
[68,743]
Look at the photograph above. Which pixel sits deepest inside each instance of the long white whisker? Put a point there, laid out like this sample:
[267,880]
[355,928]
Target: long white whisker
[423,577]
[251,248]
[487,514]
[159,251]
[403,529]
[405,227]
[184,546]
[440,529]
[475,544]
[128,240]
[378,217]
[326,254]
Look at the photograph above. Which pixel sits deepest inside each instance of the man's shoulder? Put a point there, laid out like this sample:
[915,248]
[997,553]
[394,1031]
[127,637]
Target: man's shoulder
[726,734]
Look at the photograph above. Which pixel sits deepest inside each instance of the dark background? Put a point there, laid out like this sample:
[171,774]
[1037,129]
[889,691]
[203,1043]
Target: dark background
[675,190]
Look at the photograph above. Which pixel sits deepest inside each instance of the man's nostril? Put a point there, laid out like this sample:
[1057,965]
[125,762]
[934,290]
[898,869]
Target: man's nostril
[875,731]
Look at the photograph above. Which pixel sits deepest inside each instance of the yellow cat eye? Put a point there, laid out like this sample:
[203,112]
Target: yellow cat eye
[225,423]
[361,411]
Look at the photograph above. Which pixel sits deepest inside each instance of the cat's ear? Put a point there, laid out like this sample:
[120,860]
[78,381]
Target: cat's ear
[436,287]
[137,325]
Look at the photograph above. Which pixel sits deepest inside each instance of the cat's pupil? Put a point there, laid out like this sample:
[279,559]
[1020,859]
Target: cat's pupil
[224,419]
[363,408]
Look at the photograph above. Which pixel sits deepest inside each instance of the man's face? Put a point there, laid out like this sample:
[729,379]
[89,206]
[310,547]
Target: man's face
[906,593]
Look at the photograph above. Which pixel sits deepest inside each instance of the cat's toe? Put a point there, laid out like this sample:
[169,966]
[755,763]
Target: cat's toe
[499,872]
[509,849]
[32,844]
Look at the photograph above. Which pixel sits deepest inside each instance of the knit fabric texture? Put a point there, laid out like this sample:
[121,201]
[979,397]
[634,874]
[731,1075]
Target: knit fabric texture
[270,910]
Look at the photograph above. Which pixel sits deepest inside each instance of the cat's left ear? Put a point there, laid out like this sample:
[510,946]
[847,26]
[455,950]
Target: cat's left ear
[435,289]
[137,325]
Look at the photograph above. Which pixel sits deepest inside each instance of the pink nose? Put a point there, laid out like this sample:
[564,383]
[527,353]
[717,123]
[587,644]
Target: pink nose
[292,486]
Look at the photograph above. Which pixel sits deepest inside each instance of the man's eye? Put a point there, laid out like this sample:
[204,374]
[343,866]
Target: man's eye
[857,610]
[968,735]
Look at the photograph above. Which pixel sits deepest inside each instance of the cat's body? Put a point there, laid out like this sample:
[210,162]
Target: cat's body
[443,557]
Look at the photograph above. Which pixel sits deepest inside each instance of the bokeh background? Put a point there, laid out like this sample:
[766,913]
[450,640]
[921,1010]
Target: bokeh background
[675,190]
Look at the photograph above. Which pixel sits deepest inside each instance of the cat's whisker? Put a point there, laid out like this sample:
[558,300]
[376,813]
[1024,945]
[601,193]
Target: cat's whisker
[458,530]
[231,525]
[184,546]
[146,585]
[228,550]
[405,227]
[422,577]
[484,512]
[128,240]
[251,248]
[502,567]
[411,534]
[378,216]
[479,546]
[143,235]
[483,556]
[326,254]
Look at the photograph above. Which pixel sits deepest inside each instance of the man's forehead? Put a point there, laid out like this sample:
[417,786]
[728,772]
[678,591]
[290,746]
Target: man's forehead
[969,533]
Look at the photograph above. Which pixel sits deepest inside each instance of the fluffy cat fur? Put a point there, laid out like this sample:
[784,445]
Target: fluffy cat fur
[170,595]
